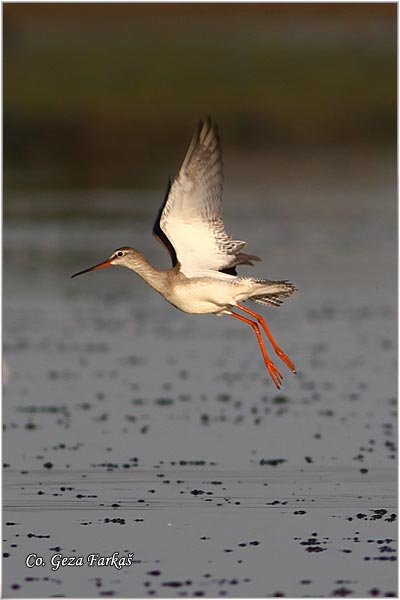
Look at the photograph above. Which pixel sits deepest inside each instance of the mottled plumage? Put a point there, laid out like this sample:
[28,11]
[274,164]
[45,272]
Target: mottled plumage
[191,218]
[203,277]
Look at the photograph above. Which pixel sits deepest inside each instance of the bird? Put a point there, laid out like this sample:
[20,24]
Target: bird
[203,278]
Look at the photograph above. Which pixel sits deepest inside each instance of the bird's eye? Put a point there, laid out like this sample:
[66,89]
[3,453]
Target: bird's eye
[120,253]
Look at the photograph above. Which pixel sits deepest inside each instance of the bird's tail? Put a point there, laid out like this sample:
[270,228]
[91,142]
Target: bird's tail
[273,293]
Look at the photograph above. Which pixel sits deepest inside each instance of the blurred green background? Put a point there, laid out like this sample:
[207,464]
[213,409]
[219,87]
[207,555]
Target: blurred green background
[106,96]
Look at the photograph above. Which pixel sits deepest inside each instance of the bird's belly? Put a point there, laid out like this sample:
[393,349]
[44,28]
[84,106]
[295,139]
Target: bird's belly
[200,301]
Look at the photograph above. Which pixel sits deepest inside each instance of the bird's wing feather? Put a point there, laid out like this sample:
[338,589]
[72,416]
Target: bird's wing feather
[158,232]
[190,217]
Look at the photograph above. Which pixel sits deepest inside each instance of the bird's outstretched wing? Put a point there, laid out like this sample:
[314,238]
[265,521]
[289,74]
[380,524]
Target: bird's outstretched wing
[189,222]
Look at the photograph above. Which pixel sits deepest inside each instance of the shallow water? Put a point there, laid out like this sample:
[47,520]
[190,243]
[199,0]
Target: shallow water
[132,427]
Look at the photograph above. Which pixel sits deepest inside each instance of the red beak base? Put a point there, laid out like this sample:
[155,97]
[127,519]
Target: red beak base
[106,263]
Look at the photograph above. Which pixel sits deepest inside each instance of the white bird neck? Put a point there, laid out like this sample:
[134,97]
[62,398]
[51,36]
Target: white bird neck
[156,278]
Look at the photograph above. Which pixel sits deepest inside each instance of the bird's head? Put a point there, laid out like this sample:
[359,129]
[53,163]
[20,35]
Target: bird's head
[123,257]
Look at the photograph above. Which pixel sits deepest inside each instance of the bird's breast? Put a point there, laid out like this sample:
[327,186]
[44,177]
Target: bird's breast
[201,296]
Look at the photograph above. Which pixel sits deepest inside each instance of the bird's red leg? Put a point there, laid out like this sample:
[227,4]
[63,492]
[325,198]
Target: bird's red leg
[273,371]
[263,324]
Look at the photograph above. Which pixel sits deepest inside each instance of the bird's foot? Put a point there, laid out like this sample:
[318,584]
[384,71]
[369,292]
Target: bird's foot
[275,374]
[285,359]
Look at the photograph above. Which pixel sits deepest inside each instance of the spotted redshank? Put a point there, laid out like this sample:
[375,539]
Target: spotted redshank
[203,277]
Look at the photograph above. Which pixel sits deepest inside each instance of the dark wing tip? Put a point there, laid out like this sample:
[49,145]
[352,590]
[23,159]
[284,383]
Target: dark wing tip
[201,135]
[205,126]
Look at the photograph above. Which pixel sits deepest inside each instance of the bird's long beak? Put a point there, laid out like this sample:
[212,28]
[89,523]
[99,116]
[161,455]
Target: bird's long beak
[106,263]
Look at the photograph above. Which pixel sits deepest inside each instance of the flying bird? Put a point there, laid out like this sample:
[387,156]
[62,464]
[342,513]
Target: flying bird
[203,278]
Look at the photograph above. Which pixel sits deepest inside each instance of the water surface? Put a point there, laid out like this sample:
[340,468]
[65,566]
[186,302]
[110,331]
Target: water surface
[133,428]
